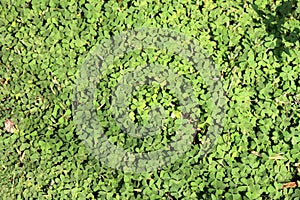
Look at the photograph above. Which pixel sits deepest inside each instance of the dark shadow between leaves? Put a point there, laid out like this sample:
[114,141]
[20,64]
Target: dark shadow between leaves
[274,26]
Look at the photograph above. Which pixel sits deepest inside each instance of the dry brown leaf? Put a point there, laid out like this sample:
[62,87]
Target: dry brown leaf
[9,126]
[256,153]
[289,185]
[277,157]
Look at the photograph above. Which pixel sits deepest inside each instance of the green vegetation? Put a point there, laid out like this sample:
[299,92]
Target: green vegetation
[254,44]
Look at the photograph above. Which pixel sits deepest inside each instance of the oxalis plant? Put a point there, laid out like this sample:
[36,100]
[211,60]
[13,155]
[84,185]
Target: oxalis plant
[149,99]
[186,123]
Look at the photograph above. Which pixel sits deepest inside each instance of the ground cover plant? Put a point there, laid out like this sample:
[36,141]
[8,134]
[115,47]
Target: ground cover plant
[255,46]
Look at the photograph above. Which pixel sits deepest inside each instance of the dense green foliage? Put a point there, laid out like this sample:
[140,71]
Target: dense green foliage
[254,44]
